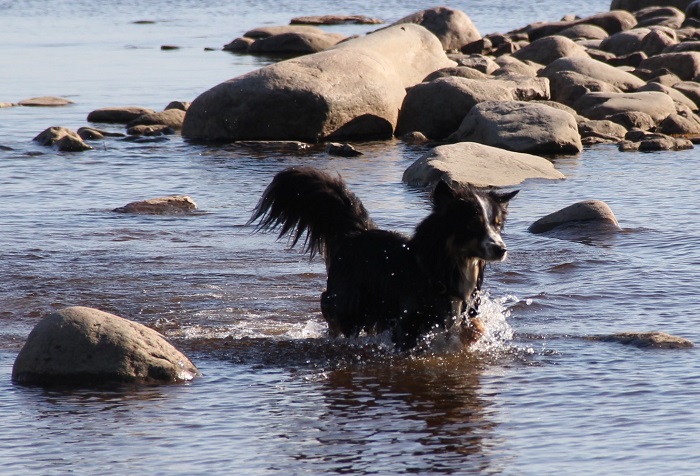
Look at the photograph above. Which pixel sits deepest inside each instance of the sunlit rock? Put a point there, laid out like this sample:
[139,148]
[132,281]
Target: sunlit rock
[644,340]
[83,346]
[172,205]
[589,212]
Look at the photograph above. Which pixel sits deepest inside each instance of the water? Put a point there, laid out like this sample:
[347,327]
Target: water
[278,396]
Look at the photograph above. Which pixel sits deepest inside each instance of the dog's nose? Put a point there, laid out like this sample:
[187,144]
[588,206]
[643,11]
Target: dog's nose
[498,251]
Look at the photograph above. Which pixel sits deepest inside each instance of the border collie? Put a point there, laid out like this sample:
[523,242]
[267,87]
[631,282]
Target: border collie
[381,280]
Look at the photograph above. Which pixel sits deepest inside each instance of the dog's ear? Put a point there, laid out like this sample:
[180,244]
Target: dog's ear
[443,193]
[504,198]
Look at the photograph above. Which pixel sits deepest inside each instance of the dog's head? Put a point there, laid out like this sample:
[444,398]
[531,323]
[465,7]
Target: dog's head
[477,218]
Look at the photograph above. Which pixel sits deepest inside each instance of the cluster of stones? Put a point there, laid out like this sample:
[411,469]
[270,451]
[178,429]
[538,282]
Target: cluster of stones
[140,122]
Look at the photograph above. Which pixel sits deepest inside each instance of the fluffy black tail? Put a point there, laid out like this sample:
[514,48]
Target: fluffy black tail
[305,200]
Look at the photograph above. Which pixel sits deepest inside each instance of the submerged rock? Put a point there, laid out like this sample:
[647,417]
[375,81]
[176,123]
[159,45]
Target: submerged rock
[84,346]
[590,212]
[118,115]
[172,205]
[64,139]
[644,340]
[479,165]
[45,101]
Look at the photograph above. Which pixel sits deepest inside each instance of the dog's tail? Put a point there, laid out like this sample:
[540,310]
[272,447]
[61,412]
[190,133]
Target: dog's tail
[304,200]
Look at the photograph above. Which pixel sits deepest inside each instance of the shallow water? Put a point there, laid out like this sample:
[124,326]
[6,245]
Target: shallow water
[277,395]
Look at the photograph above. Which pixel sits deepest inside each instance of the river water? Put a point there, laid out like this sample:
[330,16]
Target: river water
[277,395]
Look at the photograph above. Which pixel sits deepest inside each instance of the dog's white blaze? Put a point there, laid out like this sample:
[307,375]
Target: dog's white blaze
[492,238]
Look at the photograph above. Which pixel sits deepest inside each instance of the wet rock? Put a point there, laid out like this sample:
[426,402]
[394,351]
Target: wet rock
[64,139]
[679,126]
[592,213]
[652,142]
[172,118]
[520,127]
[550,48]
[150,130]
[685,65]
[89,133]
[568,86]
[479,165]
[169,47]
[84,346]
[45,101]
[594,69]
[295,43]
[645,340]
[342,150]
[171,205]
[118,115]
[633,120]
[437,109]
[604,105]
[181,105]
[336,20]
[453,27]
[239,45]
[415,138]
[351,91]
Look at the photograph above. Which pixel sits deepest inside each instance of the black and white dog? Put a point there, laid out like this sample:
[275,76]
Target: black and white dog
[381,280]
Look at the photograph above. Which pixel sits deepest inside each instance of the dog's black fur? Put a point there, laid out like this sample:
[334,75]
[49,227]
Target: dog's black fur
[381,280]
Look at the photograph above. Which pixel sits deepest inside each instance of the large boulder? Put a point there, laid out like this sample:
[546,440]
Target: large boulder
[453,27]
[81,345]
[634,5]
[295,43]
[625,42]
[611,22]
[603,105]
[437,108]
[351,91]
[594,69]
[63,138]
[568,86]
[685,65]
[478,164]
[118,114]
[520,127]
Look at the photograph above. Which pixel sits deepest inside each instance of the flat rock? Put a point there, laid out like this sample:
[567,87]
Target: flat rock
[268,31]
[634,5]
[171,205]
[172,118]
[591,212]
[685,65]
[479,165]
[45,101]
[295,43]
[83,346]
[521,127]
[118,115]
[594,69]
[603,105]
[335,20]
[646,340]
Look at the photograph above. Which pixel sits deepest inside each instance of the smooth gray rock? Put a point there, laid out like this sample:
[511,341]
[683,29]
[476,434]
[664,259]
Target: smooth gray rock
[645,340]
[81,345]
[453,27]
[685,65]
[479,165]
[118,114]
[171,205]
[567,87]
[64,139]
[590,212]
[351,91]
[172,118]
[603,105]
[550,48]
[595,69]
[520,127]
[634,5]
[45,101]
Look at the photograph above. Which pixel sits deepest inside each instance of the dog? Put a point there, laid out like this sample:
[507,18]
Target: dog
[381,280]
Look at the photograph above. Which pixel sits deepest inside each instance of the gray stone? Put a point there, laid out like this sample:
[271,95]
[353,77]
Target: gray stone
[645,340]
[656,15]
[567,87]
[118,115]
[612,22]
[520,127]
[479,165]
[653,142]
[272,30]
[584,31]
[634,5]
[594,69]
[590,212]
[45,101]
[685,65]
[547,49]
[171,118]
[603,105]
[675,94]
[335,20]
[458,72]
[691,90]
[295,43]
[81,345]
[64,139]
[679,126]
[625,42]
[351,91]
[606,130]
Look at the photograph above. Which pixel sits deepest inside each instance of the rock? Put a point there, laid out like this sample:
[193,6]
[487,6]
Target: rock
[671,17]
[85,346]
[634,5]
[612,22]
[594,69]
[481,63]
[657,41]
[691,90]
[437,109]
[456,71]
[509,65]
[603,105]
[169,47]
[45,101]
[239,45]
[652,142]
[685,65]
[89,133]
[683,47]
[645,340]
[547,49]
[351,91]
[64,139]
[8,104]
[632,59]
[607,131]
[172,118]
[568,86]
[342,150]
[172,205]
[268,31]
[625,42]
[118,115]
[679,126]
[453,27]
[415,138]
[584,31]
[295,43]
[479,165]
[590,212]
[335,20]
[181,105]
[675,94]
[633,120]
[520,127]
[150,130]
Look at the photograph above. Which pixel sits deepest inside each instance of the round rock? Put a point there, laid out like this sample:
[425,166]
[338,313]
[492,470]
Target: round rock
[83,346]
[172,205]
[590,212]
